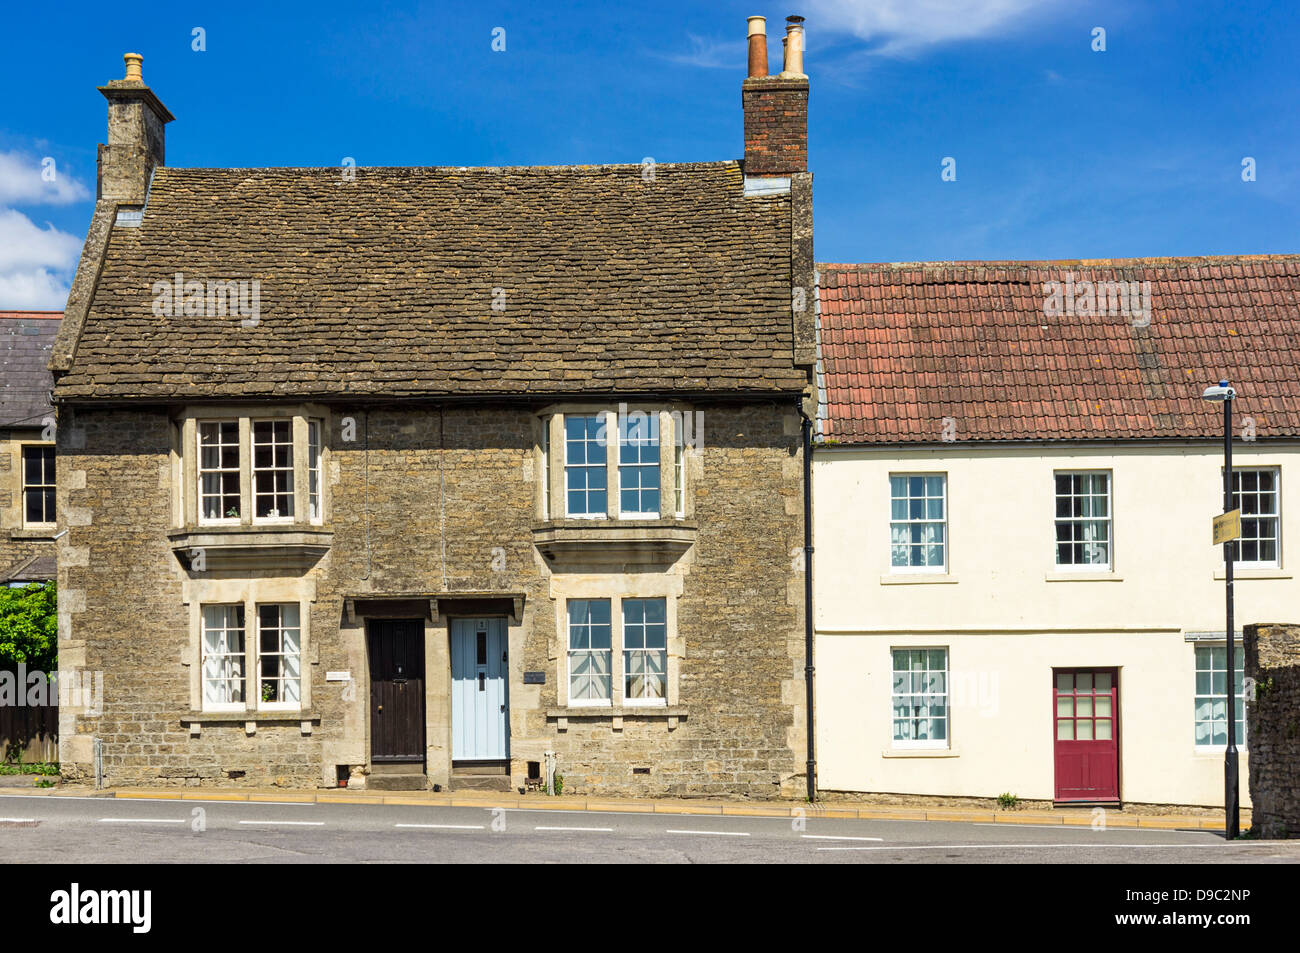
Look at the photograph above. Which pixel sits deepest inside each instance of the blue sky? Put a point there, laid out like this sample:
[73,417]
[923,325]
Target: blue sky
[1061,151]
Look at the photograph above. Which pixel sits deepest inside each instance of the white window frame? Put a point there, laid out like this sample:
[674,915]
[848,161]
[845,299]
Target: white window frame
[946,718]
[652,421]
[262,654]
[241,655]
[1275,516]
[679,477]
[1109,565]
[941,569]
[569,653]
[315,470]
[546,467]
[625,652]
[1212,696]
[602,427]
[254,469]
[199,424]
[23,485]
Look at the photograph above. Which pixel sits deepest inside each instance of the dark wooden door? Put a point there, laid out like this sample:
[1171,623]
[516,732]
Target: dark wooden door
[1086,728]
[396,689]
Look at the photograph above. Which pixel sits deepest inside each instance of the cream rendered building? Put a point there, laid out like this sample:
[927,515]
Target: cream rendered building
[1016,589]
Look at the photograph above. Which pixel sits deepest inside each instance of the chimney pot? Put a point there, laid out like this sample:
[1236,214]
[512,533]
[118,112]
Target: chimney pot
[775,107]
[133,63]
[757,46]
[793,42]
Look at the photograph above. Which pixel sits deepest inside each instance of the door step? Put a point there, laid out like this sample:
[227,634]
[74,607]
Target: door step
[480,782]
[397,782]
[397,776]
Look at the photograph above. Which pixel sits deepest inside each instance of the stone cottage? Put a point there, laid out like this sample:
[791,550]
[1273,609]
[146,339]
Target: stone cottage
[414,476]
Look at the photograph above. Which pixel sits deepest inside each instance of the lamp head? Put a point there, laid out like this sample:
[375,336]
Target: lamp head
[1219,392]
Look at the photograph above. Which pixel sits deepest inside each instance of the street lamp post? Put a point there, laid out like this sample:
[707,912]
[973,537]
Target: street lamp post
[1231,804]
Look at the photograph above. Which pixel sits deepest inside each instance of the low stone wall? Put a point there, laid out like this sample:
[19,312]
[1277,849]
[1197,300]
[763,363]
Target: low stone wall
[1273,726]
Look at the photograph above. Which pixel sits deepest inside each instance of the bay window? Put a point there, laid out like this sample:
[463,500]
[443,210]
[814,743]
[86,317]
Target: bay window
[611,464]
[251,470]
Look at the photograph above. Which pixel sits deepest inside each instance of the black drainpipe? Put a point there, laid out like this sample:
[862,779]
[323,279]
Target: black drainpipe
[806,430]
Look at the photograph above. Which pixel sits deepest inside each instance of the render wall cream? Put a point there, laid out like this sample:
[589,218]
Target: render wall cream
[1008,616]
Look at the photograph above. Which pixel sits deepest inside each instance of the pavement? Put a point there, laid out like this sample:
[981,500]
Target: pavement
[251,827]
[844,810]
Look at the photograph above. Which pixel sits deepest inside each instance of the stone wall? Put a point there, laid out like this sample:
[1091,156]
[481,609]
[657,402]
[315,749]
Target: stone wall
[1273,727]
[437,500]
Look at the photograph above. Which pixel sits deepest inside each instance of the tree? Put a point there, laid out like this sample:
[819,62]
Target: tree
[29,626]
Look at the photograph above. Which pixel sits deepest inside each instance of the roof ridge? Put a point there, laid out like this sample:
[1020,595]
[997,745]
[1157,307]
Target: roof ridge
[1155,261]
[333,169]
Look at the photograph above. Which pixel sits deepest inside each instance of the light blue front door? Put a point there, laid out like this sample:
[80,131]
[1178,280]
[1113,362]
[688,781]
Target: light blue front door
[479,693]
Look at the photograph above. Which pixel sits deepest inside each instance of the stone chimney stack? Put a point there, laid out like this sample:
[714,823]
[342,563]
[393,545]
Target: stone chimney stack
[136,119]
[776,107]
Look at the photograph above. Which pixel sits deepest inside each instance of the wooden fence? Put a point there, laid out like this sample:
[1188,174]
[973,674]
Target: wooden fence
[29,733]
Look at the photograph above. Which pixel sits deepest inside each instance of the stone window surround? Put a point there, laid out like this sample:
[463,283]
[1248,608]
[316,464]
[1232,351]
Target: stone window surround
[550,447]
[21,469]
[185,462]
[615,587]
[250,592]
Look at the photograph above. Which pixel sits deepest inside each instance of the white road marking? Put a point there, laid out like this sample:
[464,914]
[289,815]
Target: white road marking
[1107,830]
[17,820]
[293,823]
[1018,846]
[835,837]
[446,827]
[713,833]
[142,820]
[604,830]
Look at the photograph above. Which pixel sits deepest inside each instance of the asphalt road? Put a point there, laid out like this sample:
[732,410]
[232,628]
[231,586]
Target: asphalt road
[37,829]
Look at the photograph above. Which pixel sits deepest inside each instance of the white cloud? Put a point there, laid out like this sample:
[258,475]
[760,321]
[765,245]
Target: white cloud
[36,263]
[37,180]
[900,27]
[713,54]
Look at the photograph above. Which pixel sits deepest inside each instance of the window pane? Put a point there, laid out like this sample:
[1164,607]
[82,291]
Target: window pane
[589,649]
[919,702]
[918,522]
[1083,519]
[584,470]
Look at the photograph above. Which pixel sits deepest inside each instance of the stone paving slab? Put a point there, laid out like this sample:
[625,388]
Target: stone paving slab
[488,799]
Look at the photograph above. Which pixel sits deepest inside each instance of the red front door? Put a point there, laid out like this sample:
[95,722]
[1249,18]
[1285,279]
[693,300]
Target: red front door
[1085,705]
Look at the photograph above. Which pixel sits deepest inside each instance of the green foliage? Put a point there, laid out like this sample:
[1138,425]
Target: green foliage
[29,626]
[34,767]
[42,783]
[559,784]
[1008,801]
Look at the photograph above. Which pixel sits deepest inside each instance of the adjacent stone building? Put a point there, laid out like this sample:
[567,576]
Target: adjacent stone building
[412,476]
[27,470]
